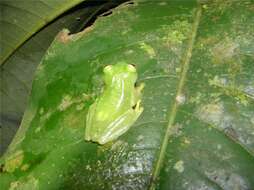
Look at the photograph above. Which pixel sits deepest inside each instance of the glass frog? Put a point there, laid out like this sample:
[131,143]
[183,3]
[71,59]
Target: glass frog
[118,107]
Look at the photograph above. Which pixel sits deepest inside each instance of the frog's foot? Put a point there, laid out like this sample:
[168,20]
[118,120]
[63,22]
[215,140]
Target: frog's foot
[140,87]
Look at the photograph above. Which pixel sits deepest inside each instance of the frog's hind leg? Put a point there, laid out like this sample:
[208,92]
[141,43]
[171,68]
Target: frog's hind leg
[119,126]
[89,118]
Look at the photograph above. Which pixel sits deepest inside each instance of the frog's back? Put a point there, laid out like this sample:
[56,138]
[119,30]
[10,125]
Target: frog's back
[112,104]
[113,109]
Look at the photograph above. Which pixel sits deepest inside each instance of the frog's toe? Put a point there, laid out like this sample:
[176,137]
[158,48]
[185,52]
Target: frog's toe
[141,109]
[104,139]
[101,141]
[138,109]
[141,86]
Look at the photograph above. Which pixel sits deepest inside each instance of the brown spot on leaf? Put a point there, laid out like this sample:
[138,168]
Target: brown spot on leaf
[64,36]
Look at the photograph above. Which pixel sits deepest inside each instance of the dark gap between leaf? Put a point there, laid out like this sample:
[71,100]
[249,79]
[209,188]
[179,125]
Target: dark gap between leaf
[104,8]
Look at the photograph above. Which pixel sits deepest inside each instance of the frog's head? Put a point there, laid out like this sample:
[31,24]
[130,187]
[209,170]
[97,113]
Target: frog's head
[120,71]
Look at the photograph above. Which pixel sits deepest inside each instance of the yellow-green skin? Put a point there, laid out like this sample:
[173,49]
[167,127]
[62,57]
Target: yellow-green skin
[117,108]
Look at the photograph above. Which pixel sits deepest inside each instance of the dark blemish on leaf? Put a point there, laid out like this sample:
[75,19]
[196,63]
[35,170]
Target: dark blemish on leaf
[126,3]
[130,3]
[1,168]
[231,132]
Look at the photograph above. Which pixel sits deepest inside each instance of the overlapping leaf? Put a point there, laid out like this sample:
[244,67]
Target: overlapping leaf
[18,71]
[21,19]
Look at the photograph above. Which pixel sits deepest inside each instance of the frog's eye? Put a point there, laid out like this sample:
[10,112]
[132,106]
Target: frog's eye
[131,68]
[107,69]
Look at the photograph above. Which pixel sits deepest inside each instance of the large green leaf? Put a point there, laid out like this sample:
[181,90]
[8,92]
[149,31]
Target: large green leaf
[20,19]
[197,128]
[17,73]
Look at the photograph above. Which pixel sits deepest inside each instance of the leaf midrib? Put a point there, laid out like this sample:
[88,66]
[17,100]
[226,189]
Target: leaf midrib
[172,113]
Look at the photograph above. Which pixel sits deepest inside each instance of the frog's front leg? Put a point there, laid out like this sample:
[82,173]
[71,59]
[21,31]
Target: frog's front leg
[120,125]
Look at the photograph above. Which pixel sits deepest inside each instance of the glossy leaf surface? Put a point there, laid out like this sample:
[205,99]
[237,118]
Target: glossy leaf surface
[20,19]
[197,128]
